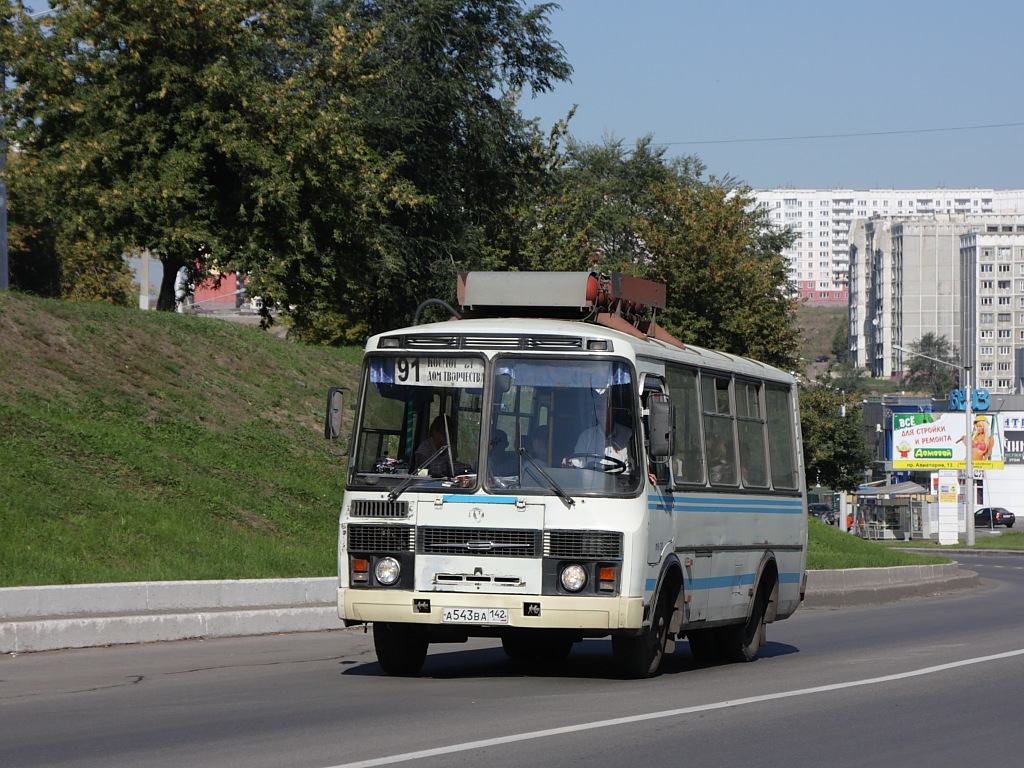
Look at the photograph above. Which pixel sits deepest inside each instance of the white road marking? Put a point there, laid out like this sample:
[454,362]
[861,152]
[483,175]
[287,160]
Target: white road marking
[530,735]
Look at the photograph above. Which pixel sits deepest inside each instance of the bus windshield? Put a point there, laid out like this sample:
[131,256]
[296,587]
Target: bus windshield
[420,418]
[563,424]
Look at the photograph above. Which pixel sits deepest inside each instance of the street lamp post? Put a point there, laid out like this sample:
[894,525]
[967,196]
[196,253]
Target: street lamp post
[965,376]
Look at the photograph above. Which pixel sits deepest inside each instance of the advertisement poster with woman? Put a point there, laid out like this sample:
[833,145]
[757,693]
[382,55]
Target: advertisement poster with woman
[939,441]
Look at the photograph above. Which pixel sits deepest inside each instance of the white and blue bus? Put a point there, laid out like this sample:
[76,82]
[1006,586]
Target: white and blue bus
[552,466]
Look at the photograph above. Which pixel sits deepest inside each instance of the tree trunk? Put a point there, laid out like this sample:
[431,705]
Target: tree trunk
[167,301]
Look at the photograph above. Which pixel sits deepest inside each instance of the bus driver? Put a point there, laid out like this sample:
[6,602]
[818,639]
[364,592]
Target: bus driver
[606,437]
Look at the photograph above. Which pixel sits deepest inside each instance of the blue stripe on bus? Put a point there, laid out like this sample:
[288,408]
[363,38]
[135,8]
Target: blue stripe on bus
[715,504]
[454,497]
[726,582]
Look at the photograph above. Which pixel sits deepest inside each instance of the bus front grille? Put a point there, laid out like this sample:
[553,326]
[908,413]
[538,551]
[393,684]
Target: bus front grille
[587,545]
[380,538]
[494,542]
[378,508]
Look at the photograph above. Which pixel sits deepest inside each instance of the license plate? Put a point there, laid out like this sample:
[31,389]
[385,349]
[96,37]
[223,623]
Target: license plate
[475,615]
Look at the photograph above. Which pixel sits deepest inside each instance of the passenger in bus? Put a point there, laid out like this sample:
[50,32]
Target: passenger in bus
[444,465]
[606,437]
[538,444]
[500,461]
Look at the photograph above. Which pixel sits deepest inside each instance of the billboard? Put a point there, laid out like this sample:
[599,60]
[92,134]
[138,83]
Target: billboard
[939,441]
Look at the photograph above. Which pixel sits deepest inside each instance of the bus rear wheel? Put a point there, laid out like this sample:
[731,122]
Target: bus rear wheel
[401,648]
[741,642]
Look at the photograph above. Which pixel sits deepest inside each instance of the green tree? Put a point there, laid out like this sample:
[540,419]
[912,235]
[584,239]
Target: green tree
[926,373]
[138,120]
[637,212]
[832,428]
[840,347]
[846,376]
[440,98]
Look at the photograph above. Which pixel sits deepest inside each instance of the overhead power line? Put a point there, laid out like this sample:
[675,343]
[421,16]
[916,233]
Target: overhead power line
[846,135]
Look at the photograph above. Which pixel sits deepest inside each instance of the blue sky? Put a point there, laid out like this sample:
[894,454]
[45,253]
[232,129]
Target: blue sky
[691,72]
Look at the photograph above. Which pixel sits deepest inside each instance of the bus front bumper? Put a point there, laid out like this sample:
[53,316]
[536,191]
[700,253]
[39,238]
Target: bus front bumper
[534,611]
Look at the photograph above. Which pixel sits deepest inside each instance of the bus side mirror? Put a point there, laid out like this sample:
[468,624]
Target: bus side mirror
[335,406]
[661,420]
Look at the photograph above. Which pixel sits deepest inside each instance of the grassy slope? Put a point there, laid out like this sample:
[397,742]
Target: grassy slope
[146,446]
[149,446]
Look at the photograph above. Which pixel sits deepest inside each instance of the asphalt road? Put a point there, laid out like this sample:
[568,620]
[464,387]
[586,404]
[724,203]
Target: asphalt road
[929,682]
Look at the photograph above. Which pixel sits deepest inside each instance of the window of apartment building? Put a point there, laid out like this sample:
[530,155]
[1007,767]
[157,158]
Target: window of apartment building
[985,334]
[1004,366]
[792,201]
[862,212]
[986,267]
[1005,267]
[1005,317]
[986,317]
[1020,285]
[986,367]
[986,383]
[1004,285]
[986,351]
[1004,301]
[1005,350]
[1004,333]
[1005,252]
[986,301]
[1022,335]
[987,285]
[1004,384]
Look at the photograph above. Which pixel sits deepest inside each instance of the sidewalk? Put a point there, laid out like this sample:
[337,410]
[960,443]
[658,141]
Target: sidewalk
[89,615]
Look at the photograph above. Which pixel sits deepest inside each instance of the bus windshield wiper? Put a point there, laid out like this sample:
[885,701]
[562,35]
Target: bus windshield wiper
[400,488]
[566,498]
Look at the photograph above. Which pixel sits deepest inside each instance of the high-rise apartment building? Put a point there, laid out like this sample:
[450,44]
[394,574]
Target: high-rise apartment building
[956,276]
[823,219]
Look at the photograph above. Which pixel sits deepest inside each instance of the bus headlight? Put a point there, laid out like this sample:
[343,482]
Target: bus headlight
[574,577]
[387,571]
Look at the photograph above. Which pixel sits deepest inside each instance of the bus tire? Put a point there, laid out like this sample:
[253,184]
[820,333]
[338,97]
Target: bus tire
[740,643]
[401,648]
[641,656]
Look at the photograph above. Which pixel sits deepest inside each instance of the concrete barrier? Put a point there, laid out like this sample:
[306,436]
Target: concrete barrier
[89,615]
[870,586]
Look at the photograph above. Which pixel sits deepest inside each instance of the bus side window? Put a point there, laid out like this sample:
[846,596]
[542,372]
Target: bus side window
[688,454]
[750,427]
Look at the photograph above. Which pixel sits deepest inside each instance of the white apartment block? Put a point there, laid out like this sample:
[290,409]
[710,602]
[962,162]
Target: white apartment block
[959,276]
[823,220]
[993,332]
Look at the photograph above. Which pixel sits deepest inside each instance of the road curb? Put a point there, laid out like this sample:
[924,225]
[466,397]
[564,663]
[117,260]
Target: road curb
[850,587]
[90,615]
[87,615]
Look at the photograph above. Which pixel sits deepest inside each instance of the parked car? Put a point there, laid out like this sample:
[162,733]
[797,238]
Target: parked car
[822,511]
[984,516]
[821,359]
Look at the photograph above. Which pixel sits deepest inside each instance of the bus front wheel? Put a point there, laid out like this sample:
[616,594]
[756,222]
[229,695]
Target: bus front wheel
[401,648]
[641,656]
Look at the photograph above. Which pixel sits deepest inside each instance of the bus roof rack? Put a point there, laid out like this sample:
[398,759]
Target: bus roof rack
[625,303]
